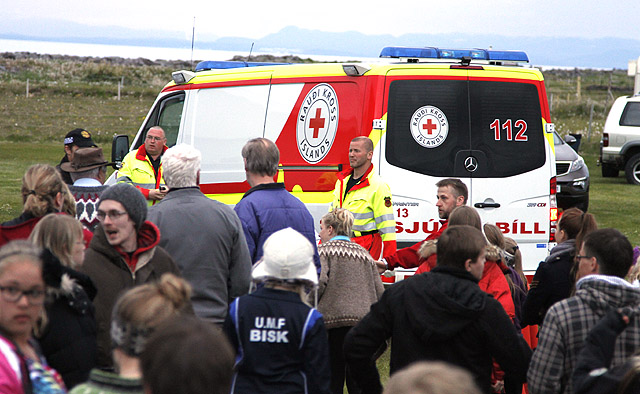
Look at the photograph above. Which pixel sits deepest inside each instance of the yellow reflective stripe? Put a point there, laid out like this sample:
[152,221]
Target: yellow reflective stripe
[229,199]
[305,197]
[430,69]
[548,136]
[530,74]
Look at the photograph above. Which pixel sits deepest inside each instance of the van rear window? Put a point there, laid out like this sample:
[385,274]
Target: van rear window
[435,126]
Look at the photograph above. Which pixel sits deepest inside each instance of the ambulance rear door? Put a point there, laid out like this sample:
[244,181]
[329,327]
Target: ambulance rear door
[511,163]
[486,130]
[427,128]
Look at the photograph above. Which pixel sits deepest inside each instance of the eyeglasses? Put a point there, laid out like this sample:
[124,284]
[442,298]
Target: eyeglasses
[13,294]
[154,138]
[113,214]
[578,257]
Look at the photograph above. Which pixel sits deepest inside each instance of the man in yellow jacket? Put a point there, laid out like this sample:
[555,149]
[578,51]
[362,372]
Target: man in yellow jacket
[368,197]
[143,167]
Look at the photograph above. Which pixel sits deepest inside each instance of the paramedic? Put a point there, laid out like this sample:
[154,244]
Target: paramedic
[143,169]
[452,193]
[360,190]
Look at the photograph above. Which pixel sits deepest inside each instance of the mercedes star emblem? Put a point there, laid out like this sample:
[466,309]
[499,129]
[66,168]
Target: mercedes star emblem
[471,164]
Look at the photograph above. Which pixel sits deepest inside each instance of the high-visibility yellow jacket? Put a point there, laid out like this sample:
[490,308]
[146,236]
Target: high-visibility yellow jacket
[370,203]
[138,171]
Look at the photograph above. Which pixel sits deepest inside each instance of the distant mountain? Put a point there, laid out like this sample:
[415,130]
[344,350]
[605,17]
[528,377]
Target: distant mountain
[548,51]
[553,51]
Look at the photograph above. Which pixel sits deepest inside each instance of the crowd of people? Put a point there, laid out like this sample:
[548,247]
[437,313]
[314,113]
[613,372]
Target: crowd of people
[149,286]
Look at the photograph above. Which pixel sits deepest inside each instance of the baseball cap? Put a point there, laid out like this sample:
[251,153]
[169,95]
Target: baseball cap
[80,138]
[288,255]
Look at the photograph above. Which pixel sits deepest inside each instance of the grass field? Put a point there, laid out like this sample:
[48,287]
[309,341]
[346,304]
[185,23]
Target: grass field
[65,94]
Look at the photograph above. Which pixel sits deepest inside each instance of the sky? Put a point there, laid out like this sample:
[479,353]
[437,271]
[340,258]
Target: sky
[256,19]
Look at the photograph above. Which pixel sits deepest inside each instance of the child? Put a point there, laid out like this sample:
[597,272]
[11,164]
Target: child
[281,342]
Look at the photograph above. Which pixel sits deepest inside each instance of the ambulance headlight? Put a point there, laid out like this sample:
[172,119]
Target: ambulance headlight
[354,70]
[182,76]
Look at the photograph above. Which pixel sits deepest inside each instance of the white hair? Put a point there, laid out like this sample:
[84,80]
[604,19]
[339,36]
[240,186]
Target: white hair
[181,164]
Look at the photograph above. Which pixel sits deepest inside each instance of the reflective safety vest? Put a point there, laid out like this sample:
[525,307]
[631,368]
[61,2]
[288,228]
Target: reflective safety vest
[370,203]
[138,171]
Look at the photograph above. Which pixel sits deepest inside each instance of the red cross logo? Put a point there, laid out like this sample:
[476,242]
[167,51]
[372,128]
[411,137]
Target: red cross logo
[429,126]
[317,123]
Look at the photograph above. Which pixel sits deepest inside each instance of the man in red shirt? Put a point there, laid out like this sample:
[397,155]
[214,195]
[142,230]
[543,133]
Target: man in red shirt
[452,193]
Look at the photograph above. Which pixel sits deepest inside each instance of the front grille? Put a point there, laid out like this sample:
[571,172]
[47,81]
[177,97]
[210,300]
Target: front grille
[562,167]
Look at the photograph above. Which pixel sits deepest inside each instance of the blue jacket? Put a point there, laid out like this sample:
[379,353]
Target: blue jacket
[281,344]
[267,208]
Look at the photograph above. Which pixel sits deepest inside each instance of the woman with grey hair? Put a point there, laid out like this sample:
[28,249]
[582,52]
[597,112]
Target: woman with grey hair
[349,285]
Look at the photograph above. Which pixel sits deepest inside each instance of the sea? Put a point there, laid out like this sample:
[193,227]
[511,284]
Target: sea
[151,53]
[185,54]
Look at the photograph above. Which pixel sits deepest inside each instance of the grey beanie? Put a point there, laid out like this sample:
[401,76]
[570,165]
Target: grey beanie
[131,199]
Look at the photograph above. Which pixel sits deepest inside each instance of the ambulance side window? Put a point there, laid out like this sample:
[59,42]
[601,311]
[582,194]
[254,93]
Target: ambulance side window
[170,116]
[227,117]
[167,114]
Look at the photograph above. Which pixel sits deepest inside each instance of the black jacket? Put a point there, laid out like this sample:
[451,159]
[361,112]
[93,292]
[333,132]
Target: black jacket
[68,341]
[551,283]
[439,315]
[592,374]
[281,344]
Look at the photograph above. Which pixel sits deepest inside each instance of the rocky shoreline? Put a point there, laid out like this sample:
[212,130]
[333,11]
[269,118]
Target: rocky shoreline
[175,64]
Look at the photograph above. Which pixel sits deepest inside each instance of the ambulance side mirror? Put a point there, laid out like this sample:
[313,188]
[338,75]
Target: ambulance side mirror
[119,149]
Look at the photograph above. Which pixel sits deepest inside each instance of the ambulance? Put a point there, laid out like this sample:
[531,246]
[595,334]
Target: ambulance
[433,113]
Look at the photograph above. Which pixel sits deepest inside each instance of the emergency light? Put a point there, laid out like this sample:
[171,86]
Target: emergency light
[441,53]
[225,64]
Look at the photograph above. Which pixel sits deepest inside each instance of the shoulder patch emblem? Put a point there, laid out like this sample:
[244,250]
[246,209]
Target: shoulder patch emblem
[387,202]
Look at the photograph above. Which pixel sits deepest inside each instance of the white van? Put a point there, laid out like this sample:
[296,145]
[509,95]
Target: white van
[478,115]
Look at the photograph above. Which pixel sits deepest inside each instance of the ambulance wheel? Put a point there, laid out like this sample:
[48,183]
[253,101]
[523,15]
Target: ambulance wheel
[632,170]
[609,171]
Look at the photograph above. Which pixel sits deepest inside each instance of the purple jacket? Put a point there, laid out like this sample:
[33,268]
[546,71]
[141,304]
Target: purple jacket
[267,208]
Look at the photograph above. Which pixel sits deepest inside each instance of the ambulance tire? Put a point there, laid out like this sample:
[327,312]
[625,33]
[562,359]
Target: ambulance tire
[609,171]
[632,170]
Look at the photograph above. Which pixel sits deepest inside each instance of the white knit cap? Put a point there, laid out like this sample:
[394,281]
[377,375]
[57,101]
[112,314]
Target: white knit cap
[287,255]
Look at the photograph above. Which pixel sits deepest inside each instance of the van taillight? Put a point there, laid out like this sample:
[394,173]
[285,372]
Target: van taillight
[605,139]
[553,211]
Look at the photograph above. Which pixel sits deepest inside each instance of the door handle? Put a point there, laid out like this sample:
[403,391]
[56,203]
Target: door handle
[486,205]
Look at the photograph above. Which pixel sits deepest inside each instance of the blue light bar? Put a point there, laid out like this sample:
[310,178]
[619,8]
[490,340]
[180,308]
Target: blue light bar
[226,64]
[514,56]
[396,52]
[438,53]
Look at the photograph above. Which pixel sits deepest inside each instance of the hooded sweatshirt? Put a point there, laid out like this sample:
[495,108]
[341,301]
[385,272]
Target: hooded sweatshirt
[440,315]
[114,271]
